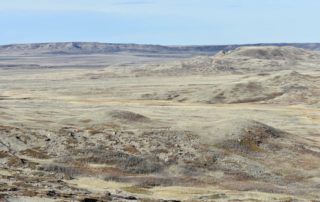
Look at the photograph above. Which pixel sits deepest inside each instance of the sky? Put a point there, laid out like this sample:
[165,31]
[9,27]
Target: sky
[166,22]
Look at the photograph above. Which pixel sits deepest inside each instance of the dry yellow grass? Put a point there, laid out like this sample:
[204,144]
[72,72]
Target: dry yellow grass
[48,99]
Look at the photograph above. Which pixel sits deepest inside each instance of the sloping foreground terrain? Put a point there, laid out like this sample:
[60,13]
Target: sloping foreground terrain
[116,133]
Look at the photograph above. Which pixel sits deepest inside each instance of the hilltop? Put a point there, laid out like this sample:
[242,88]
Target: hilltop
[240,60]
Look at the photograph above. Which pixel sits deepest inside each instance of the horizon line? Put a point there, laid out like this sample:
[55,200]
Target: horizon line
[155,44]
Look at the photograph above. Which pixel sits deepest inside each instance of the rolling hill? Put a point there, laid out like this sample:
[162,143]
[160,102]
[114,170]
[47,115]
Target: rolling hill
[111,48]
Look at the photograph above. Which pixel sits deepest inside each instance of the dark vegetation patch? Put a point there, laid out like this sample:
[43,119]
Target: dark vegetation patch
[67,171]
[14,161]
[129,116]
[149,182]
[4,154]
[126,162]
[251,137]
[35,153]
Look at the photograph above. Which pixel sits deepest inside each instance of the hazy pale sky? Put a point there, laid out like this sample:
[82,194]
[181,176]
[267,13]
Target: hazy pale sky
[166,22]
